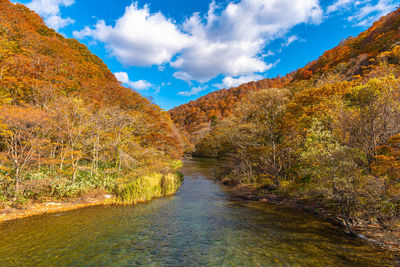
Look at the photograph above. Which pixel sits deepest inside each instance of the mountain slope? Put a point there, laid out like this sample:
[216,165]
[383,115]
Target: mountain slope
[68,126]
[37,63]
[351,58]
[355,52]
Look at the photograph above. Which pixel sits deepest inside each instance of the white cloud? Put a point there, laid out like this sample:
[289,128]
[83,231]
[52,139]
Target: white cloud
[138,37]
[138,85]
[229,40]
[291,40]
[193,91]
[365,11]
[268,54]
[50,10]
[57,22]
[372,12]
[229,82]
[338,5]
[183,76]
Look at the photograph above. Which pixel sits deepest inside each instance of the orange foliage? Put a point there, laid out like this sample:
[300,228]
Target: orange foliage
[387,162]
[197,114]
[351,59]
[38,65]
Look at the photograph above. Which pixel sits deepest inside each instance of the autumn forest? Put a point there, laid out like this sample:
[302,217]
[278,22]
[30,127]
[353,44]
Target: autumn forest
[327,133]
[68,126]
[325,137]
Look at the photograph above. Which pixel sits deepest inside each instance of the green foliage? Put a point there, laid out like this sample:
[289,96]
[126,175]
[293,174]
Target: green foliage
[45,31]
[214,121]
[334,171]
[251,137]
[3,198]
[20,201]
[176,164]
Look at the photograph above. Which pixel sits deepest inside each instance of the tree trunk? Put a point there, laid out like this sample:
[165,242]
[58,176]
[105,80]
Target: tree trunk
[17,181]
[346,216]
[74,175]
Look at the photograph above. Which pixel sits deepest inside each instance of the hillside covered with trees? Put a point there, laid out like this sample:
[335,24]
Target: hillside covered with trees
[67,126]
[330,136]
[353,58]
[296,170]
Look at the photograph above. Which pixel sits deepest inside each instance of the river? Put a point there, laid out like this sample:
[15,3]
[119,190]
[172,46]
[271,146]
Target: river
[200,226]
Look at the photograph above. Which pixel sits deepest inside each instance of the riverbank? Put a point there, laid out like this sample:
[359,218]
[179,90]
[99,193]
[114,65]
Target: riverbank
[142,190]
[33,208]
[387,238]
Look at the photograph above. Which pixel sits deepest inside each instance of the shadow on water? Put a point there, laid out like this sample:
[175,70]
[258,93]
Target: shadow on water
[200,226]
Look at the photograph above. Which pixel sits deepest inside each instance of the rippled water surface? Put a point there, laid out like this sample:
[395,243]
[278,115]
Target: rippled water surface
[200,226]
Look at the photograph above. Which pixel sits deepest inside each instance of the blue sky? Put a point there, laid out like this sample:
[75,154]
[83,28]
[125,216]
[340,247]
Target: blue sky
[178,50]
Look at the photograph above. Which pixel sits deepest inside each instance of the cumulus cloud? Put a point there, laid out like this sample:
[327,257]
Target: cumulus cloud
[366,11]
[123,77]
[229,82]
[229,40]
[50,10]
[138,37]
[193,91]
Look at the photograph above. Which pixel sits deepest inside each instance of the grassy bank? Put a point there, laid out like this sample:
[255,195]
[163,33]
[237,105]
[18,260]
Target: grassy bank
[139,190]
[107,186]
[146,188]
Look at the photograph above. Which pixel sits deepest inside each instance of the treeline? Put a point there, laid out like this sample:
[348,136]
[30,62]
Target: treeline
[196,115]
[67,126]
[71,147]
[326,140]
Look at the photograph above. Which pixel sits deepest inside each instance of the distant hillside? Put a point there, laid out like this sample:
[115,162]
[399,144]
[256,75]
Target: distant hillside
[356,52]
[196,116]
[351,58]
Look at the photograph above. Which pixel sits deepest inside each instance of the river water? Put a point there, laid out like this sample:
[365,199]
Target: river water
[200,226]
